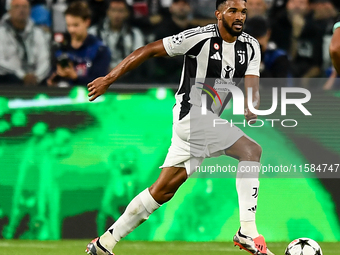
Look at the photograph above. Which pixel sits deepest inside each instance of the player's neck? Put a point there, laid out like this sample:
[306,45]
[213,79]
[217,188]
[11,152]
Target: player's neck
[225,35]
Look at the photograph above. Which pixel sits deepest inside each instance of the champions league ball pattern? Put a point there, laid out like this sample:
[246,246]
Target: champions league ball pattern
[303,246]
[177,39]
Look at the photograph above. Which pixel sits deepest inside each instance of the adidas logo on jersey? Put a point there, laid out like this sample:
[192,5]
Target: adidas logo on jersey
[216,56]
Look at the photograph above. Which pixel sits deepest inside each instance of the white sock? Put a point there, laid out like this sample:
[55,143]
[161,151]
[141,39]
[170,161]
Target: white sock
[248,228]
[135,214]
[247,185]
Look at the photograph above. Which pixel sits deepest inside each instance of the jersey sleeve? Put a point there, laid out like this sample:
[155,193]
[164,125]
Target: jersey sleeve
[337,23]
[181,43]
[255,60]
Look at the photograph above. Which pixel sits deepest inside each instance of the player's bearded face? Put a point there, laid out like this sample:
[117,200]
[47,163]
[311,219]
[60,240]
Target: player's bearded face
[235,29]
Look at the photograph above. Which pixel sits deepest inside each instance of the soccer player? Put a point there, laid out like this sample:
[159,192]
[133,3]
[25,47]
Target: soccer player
[221,51]
[335,46]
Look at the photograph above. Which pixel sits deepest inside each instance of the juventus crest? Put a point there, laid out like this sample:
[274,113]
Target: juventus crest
[242,56]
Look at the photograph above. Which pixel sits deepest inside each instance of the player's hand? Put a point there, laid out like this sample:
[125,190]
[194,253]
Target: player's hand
[250,117]
[97,87]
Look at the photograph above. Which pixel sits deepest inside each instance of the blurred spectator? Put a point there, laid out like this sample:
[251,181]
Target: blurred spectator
[146,14]
[203,12]
[325,15]
[296,32]
[277,7]
[203,8]
[2,8]
[24,51]
[178,21]
[41,15]
[334,50]
[335,46]
[58,20]
[337,4]
[169,70]
[98,8]
[275,63]
[269,4]
[117,34]
[80,57]
[256,8]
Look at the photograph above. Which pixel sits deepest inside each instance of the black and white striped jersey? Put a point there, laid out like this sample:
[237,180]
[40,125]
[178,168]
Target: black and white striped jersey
[337,23]
[207,55]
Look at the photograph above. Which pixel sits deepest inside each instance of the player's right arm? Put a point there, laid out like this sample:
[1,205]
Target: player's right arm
[136,58]
[334,48]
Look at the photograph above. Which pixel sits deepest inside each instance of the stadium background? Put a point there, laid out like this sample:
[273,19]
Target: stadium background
[64,159]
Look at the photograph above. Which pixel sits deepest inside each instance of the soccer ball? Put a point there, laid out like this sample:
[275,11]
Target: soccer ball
[303,246]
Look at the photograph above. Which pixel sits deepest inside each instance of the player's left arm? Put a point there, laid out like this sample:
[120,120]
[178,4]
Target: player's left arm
[251,81]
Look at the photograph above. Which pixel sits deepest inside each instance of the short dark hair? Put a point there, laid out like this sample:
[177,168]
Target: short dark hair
[219,2]
[79,9]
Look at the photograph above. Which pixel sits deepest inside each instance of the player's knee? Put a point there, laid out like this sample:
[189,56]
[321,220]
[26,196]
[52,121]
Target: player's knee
[256,152]
[161,196]
[252,152]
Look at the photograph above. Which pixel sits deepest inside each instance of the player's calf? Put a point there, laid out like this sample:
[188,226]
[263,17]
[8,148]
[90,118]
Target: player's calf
[245,150]
[168,182]
[139,210]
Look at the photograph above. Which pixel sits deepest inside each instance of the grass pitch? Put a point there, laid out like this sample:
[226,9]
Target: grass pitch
[77,247]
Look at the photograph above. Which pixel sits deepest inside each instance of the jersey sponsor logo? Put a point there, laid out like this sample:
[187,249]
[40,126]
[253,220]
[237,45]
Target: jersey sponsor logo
[242,56]
[228,72]
[216,56]
[178,39]
[221,85]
